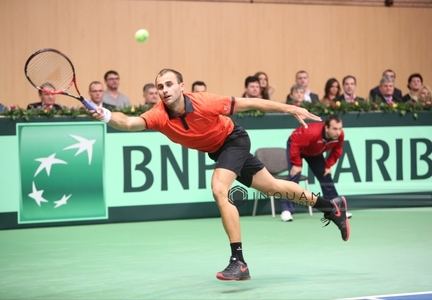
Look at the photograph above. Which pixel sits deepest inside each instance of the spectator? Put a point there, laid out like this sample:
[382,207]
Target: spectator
[349,84]
[425,95]
[415,82]
[199,86]
[386,91]
[252,87]
[376,90]
[47,101]
[332,90]
[296,96]
[302,78]
[111,95]
[1,107]
[310,144]
[266,89]
[96,94]
[150,94]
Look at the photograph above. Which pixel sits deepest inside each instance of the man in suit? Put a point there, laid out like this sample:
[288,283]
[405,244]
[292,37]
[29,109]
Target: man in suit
[47,100]
[386,91]
[349,84]
[302,78]
[397,93]
[96,95]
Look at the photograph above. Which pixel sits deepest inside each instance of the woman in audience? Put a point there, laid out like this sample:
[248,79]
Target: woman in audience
[332,90]
[266,89]
[424,95]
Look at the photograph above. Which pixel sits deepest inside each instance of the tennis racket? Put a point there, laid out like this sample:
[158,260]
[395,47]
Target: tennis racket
[50,71]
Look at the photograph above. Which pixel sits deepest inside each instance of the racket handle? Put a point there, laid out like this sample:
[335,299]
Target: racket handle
[89,105]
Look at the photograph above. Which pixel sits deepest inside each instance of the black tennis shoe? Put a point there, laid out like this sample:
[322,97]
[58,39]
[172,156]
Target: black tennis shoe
[236,270]
[339,217]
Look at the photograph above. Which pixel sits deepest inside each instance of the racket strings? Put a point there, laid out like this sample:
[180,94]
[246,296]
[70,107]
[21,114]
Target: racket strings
[50,71]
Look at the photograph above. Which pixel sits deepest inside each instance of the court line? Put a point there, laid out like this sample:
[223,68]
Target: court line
[378,297]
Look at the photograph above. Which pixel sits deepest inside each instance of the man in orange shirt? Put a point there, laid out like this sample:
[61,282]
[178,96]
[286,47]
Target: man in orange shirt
[198,121]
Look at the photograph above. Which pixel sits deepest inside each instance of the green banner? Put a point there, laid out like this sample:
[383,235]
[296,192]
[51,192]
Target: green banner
[61,172]
[50,175]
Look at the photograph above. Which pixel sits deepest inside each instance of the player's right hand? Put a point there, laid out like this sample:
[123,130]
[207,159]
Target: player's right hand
[97,115]
[295,170]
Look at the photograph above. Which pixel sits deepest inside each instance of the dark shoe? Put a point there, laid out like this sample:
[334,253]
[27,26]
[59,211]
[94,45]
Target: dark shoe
[339,217]
[236,270]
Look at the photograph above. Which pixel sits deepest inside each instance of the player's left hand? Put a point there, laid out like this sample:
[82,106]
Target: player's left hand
[302,114]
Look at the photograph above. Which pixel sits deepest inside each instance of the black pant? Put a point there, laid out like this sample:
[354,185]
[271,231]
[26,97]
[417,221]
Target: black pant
[317,165]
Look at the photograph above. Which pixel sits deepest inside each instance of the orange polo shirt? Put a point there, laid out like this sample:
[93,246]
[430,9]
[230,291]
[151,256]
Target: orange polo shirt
[202,126]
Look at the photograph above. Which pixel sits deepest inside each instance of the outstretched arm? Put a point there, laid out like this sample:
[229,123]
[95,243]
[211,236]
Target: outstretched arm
[119,120]
[301,114]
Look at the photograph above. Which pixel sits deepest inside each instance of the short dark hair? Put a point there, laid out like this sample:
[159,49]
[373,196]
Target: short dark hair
[94,82]
[198,83]
[331,118]
[148,86]
[415,75]
[110,72]
[251,79]
[347,77]
[164,71]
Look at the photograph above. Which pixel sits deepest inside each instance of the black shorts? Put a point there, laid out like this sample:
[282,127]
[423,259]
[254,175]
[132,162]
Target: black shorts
[234,155]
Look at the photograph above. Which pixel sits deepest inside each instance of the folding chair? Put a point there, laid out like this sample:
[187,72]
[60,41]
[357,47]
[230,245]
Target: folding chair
[275,161]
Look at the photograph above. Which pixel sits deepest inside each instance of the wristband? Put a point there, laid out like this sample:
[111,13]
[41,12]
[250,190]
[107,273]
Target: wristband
[107,115]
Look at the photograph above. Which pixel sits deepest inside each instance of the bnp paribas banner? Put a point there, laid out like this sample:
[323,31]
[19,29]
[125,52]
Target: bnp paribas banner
[61,171]
[74,171]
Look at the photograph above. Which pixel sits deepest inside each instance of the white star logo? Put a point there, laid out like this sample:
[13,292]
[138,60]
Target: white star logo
[62,201]
[37,195]
[47,162]
[83,145]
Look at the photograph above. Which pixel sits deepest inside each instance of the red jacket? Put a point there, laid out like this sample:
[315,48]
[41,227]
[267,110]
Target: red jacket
[311,141]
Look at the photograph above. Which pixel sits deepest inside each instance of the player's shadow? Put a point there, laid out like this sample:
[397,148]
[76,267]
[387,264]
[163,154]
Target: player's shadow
[238,290]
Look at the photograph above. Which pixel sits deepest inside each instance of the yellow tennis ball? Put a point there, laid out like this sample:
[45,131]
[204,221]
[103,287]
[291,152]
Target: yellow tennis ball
[141,35]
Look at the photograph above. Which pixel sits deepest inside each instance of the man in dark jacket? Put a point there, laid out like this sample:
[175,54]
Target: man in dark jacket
[47,102]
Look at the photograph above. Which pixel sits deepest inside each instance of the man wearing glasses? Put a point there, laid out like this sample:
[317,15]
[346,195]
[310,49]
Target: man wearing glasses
[111,95]
[96,93]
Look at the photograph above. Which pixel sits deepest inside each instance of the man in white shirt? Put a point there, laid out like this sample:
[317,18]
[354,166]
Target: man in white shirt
[96,94]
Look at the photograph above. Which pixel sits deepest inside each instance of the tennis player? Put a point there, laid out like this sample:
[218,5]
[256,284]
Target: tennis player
[198,121]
